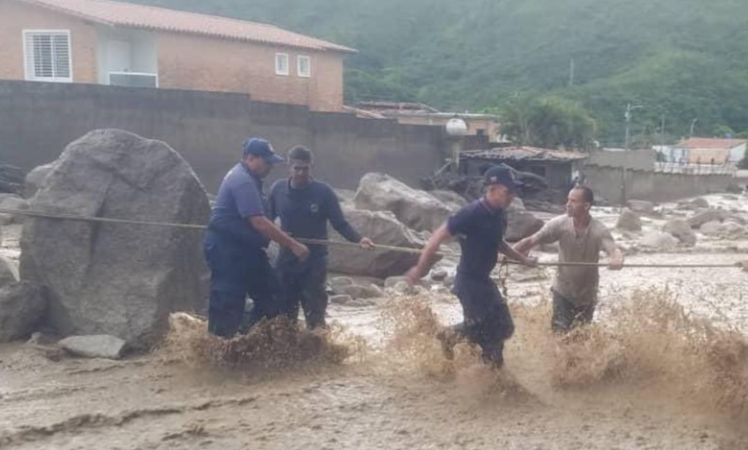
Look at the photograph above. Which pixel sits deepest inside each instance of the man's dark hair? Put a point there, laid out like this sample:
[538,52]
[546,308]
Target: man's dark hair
[300,153]
[589,196]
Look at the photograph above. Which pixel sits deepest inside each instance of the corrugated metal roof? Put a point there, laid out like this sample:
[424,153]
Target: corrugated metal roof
[153,18]
[523,154]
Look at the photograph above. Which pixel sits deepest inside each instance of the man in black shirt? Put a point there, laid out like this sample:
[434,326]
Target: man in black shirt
[480,227]
[305,206]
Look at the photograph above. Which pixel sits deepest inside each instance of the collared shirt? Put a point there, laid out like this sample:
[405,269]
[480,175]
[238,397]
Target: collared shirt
[577,284]
[304,213]
[480,230]
[239,198]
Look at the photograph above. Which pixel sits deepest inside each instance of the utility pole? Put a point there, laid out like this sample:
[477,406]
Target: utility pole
[627,116]
[571,73]
[693,123]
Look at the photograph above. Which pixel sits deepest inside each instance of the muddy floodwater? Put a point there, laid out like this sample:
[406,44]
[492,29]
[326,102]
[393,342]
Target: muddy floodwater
[664,367]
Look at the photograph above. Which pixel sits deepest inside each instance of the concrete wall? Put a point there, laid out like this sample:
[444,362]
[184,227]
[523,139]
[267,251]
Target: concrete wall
[634,159]
[608,182]
[37,120]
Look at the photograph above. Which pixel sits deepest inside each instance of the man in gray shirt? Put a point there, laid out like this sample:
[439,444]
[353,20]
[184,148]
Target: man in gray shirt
[580,238]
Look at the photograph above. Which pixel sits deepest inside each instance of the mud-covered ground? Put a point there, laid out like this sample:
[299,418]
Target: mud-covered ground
[665,367]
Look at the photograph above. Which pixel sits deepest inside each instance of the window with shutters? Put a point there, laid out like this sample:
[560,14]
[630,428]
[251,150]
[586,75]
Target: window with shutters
[47,55]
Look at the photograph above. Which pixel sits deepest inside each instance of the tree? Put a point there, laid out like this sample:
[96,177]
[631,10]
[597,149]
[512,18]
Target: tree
[548,122]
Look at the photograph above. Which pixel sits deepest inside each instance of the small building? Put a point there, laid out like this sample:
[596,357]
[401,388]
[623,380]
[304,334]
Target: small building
[558,167]
[114,43]
[481,125]
[712,151]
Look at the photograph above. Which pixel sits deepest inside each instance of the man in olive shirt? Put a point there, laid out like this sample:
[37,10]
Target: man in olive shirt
[580,238]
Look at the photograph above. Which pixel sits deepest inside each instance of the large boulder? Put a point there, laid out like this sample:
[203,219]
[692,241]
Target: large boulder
[712,215]
[99,346]
[117,279]
[14,203]
[384,229]
[418,210]
[659,241]
[8,271]
[681,230]
[22,306]
[520,222]
[641,206]
[451,199]
[35,179]
[629,221]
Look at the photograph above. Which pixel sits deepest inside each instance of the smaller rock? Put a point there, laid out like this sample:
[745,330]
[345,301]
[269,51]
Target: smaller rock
[681,230]
[393,281]
[439,274]
[357,292]
[659,241]
[362,302]
[97,346]
[641,206]
[701,218]
[405,288]
[732,229]
[40,338]
[629,221]
[22,306]
[730,197]
[8,271]
[700,203]
[340,299]
[713,228]
[338,283]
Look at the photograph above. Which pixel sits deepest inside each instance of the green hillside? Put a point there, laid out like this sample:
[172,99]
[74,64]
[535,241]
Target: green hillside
[685,59]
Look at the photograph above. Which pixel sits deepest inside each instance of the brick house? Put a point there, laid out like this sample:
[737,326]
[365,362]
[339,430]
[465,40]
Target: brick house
[113,43]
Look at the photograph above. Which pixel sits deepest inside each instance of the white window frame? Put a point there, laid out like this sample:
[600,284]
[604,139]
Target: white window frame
[26,66]
[278,70]
[308,59]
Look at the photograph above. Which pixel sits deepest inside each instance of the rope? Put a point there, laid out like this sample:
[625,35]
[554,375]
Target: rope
[415,251]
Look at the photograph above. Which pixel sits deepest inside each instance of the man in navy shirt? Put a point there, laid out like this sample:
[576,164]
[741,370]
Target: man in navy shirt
[235,245]
[480,227]
[305,206]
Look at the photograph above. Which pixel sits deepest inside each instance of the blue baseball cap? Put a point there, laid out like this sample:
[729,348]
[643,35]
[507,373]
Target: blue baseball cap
[263,149]
[501,175]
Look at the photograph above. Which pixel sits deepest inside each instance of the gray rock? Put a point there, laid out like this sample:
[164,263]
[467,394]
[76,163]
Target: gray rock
[340,299]
[121,280]
[337,283]
[732,229]
[712,215]
[700,203]
[629,221]
[417,209]
[35,179]
[404,288]
[641,206]
[14,202]
[8,272]
[5,219]
[439,274]
[40,338]
[22,307]
[391,282]
[384,229]
[345,195]
[713,228]
[96,346]
[362,302]
[520,222]
[658,240]
[356,291]
[681,230]
[453,200]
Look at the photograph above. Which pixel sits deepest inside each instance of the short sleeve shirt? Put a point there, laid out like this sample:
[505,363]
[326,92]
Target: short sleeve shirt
[480,230]
[579,285]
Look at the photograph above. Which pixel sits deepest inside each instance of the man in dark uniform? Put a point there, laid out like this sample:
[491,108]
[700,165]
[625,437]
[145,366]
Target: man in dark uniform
[305,206]
[480,227]
[236,242]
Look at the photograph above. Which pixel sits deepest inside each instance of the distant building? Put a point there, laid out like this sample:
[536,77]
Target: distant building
[114,43]
[484,125]
[712,151]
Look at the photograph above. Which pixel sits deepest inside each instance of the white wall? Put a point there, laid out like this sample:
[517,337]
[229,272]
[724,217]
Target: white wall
[125,51]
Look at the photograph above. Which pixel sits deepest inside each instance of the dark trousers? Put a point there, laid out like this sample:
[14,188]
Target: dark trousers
[305,285]
[238,271]
[488,321]
[567,315]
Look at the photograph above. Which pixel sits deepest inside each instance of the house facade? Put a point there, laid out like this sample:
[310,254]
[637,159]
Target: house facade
[113,43]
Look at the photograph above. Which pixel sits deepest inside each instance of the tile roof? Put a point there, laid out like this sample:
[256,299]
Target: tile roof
[711,143]
[153,18]
[524,154]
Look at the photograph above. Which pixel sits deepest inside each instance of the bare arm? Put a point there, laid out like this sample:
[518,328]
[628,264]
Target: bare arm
[272,232]
[515,255]
[525,245]
[428,253]
[614,253]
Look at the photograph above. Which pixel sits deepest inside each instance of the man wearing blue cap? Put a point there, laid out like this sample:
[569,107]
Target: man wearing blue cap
[235,245]
[480,227]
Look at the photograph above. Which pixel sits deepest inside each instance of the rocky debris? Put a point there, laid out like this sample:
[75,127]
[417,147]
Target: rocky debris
[393,281]
[641,206]
[345,195]
[95,346]
[629,221]
[384,229]
[22,307]
[700,203]
[355,291]
[714,215]
[658,240]
[114,279]
[8,272]
[713,228]
[363,302]
[439,274]
[40,338]
[13,202]
[452,200]
[337,283]
[681,230]
[416,209]
[520,222]
[11,179]
[340,299]
[35,179]
[732,229]
[404,288]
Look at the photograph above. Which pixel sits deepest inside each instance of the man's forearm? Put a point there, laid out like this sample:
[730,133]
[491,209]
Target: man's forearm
[525,245]
[512,253]
[428,253]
